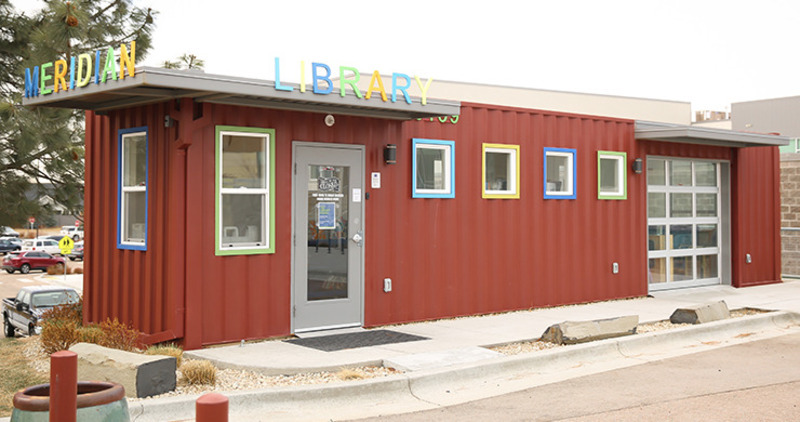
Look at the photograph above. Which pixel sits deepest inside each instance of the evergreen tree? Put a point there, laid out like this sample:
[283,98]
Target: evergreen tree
[44,146]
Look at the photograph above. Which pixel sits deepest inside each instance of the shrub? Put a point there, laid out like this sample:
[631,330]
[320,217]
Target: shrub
[117,335]
[58,335]
[199,372]
[55,269]
[77,270]
[66,312]
[90,334]
[167,350]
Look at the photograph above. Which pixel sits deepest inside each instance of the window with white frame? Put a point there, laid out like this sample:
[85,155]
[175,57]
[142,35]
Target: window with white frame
[559,173]
[244,182]
[500,171]
[132,182]
[433,168]
[611,175]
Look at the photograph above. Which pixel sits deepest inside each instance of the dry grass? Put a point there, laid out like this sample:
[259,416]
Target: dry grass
[16,373]
[77,270]
[349,375]
[167,350]
[199,372]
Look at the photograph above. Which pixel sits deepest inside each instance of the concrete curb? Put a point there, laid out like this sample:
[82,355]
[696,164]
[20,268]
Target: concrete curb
[425,388]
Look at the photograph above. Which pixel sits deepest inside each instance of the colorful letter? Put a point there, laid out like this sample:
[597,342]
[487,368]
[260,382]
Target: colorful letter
[43,80]
[126,61]
[315,78]
[302,76]
[97,67]
[404,88]
[59,80]
[72,72]
[278,85]
[424,90]
[110,66]
[343,81]
[376,77]
[87,59]
[32,82]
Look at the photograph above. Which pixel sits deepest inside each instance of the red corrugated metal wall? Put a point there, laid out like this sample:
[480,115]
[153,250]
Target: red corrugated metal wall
[446,257]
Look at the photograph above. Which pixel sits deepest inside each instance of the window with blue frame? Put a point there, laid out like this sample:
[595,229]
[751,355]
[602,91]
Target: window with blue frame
[433,168]
[559,173]
[132,189]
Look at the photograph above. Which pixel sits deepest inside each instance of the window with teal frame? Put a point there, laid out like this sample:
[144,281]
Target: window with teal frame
[612,177]
[433,168]
[245,185]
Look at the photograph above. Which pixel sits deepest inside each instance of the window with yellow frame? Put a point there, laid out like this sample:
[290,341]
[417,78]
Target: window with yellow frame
[500,170]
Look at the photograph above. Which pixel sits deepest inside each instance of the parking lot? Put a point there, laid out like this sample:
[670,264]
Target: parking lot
[11,283]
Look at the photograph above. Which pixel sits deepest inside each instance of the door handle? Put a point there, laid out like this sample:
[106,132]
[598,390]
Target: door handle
[358,238]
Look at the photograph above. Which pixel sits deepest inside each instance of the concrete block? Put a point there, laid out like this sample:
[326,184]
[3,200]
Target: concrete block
[573,332]
[702,313]
[141,375]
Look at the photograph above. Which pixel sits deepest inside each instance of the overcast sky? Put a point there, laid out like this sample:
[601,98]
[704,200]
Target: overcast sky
[709,53]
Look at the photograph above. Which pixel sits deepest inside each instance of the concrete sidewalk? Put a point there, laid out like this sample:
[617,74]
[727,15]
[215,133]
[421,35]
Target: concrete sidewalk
[453,341]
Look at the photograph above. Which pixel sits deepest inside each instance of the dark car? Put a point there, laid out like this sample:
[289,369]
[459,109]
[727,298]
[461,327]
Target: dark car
[77,252]
[9,244]
[29,260]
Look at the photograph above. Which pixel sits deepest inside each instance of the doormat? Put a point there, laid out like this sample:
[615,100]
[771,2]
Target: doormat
[344,341]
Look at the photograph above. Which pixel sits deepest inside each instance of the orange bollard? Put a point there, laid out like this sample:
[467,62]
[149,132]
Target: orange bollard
[211,407]
[63,386]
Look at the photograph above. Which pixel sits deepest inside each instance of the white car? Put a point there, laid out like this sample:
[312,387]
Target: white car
[76,233]
[48,245]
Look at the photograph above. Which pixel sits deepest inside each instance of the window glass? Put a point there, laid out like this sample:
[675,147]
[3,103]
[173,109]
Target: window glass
[658,270]
[680,205]
[656,204]
[242,219]
[498,168]
[705,173]
[706,204]
[680,172]
[707,266]
[558,172]
[681,236]
[243,159]
[657,238]
[611,175]
[433,168]
[682,268]
[134,160]
[706,235]
[134,217]
[656,172]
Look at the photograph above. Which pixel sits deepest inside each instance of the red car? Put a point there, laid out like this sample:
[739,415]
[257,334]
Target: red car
[29,260]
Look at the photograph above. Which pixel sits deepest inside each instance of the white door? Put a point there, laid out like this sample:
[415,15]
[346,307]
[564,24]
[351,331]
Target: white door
[684,209]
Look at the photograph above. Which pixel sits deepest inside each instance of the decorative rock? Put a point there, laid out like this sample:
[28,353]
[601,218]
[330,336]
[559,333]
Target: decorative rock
[141,375]
[573,332]
[700,314]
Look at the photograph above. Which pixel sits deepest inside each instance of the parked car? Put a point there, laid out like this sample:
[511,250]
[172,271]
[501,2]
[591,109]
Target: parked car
[6,231]
[77,252]
[10,244]
[47,245]
[75,232]
[26,261]
[23,312]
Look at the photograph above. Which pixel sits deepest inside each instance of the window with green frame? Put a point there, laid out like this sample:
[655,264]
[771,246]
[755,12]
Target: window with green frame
[612,177]
[245,182]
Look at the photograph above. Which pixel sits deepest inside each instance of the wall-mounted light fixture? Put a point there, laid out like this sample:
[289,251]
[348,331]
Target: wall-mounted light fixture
[390,154]
[330,120]
[168,121]
[638,166]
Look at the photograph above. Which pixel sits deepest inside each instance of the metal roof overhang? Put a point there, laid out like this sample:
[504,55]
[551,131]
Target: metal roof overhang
[705,136]
[153,85]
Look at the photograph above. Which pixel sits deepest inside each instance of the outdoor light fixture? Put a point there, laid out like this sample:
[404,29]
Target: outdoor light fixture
[390,154]
[168,121]
[330,120]
[637,166]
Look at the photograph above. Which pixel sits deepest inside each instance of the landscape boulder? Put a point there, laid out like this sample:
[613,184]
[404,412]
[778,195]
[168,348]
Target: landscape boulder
[699,314]
[141,375]
[573,332]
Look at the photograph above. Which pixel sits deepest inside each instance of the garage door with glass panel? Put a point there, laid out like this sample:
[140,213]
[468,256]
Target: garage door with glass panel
[683,217]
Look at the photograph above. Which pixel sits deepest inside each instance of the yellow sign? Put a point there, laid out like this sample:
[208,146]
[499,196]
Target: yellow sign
[66,244]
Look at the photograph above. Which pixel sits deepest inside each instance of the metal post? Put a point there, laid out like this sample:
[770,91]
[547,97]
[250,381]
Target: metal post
[211,407]
[63,386]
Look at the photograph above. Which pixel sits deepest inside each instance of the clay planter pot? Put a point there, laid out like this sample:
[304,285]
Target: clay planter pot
[97,401]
